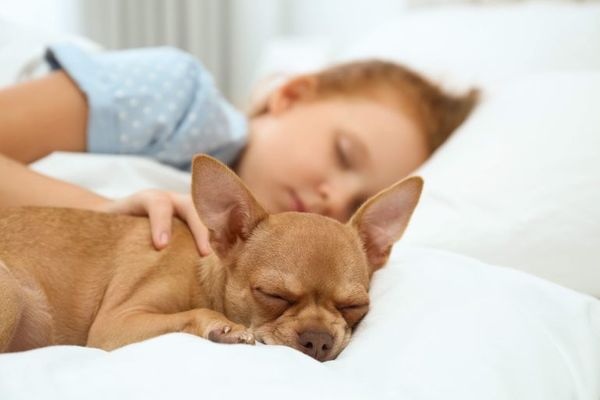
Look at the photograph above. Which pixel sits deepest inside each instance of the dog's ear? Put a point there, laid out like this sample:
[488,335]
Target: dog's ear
[382,219]
[224,203]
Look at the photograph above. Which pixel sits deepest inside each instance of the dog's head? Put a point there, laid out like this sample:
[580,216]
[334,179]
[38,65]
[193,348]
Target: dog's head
[298,279]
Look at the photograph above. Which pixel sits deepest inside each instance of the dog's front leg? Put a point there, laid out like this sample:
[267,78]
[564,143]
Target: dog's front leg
[112,332]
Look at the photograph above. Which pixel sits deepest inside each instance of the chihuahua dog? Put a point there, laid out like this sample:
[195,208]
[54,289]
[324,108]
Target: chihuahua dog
[84,278]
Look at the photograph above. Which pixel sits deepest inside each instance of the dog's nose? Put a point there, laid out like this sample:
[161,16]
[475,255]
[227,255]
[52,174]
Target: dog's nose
[316,344]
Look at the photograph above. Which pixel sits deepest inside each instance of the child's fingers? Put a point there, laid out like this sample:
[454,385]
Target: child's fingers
[185,209]
[160,207]
[160,211]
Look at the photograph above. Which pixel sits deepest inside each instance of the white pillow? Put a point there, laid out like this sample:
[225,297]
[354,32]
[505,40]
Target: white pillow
[466,45]
[519,183]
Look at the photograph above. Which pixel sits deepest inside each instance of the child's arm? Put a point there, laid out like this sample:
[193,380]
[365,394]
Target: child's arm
[41,116]
[21,186]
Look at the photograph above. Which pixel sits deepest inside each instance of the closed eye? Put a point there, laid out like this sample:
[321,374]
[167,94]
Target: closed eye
[273,297]
[353,313]
[341,154]
[354,307]
[351,152]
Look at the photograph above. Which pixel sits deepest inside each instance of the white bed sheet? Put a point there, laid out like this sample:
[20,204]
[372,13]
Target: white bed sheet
[442,326]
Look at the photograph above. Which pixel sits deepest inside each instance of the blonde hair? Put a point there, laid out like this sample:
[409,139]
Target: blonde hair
[437,113]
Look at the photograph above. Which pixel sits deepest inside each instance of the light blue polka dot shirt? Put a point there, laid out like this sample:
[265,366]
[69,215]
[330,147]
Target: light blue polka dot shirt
[156,102]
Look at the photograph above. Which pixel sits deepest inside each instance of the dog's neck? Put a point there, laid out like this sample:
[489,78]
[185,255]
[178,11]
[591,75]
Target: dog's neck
[211,278]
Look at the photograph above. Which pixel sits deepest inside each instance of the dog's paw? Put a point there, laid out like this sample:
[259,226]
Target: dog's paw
[231,333]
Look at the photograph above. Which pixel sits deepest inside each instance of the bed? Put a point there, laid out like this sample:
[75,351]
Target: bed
[491,294]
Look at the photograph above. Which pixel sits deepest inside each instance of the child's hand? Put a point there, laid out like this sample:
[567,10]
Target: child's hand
[160,207]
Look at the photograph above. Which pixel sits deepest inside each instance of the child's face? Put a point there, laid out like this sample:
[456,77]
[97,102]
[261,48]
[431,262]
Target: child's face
[327,156]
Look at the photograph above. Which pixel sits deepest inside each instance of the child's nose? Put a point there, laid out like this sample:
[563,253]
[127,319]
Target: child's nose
[337,198]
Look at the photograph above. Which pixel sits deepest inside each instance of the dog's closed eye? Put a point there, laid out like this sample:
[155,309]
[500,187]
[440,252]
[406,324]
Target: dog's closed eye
[272,299]
[353,313]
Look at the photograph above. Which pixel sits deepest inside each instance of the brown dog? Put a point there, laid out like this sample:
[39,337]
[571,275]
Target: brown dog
[301,280]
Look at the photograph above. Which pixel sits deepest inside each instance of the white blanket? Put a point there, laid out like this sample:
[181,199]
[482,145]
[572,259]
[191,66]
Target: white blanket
[442,326]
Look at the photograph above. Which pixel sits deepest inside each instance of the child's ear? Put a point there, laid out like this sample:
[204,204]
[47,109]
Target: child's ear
[382,219]
[224,203]
[297,89]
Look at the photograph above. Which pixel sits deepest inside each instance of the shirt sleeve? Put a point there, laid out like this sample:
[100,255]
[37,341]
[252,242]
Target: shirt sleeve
[156,102]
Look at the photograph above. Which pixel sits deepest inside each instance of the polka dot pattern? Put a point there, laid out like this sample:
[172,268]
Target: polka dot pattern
[157,102]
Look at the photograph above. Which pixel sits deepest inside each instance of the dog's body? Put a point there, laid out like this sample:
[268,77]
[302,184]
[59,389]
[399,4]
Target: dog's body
[79,277]
[69,293]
